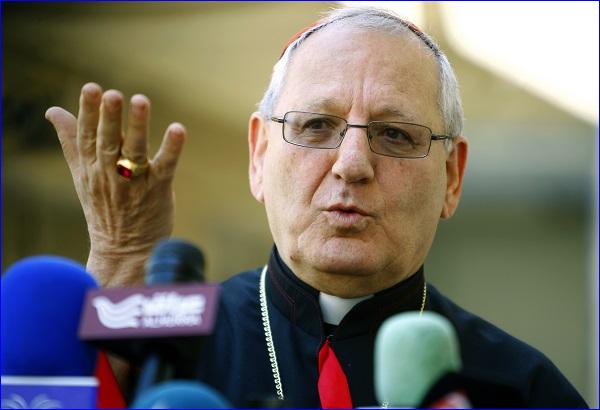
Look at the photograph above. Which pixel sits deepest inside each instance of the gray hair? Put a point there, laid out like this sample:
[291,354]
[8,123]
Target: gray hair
[449,103]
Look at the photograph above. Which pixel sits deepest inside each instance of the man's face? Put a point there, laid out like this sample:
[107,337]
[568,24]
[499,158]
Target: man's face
[349,221]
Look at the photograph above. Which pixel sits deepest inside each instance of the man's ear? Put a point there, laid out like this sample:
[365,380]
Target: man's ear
[257,147]
[456,163]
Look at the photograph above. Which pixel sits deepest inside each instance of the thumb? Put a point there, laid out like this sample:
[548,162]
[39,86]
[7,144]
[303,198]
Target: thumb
[65,125]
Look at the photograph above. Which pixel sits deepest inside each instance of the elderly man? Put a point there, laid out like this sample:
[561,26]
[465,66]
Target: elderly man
[357,153]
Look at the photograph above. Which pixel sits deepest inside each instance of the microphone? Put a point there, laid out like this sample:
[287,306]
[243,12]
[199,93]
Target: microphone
[172,261]
[181,395]
[417,360]
[43,361]
[157,327]
[175,261]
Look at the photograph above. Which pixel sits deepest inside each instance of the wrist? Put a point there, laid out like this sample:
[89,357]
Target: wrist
[118,268]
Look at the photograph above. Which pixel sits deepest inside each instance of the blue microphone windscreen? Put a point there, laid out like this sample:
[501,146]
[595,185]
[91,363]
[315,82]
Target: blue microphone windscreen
[41,302]
[181,394]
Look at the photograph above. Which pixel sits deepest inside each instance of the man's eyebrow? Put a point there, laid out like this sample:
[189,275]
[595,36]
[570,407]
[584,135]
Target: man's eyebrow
[328,105]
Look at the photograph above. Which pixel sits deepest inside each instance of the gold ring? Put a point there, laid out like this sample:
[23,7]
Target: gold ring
[129,169]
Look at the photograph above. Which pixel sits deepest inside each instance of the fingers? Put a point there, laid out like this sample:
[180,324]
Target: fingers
[96,135]
[135,143]
[87,121]
[65,125]
[108,139]
[165,161]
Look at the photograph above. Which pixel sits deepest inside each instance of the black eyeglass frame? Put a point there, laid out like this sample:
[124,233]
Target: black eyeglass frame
[434,137]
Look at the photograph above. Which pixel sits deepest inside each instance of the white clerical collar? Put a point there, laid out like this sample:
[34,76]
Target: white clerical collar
[335,308]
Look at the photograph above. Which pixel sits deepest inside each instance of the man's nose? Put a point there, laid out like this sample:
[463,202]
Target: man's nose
[354,157]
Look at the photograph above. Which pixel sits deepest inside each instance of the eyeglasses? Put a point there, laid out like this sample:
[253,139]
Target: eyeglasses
[323,131]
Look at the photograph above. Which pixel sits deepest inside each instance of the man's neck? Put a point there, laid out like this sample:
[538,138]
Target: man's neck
[303,304]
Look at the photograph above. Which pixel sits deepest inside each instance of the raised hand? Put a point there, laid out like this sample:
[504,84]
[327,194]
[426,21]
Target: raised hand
[125,215]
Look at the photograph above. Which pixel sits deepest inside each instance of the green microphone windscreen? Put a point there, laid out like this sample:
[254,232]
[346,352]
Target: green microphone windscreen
[412,352]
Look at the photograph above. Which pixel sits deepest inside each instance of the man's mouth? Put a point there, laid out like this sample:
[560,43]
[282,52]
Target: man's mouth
[347,217]
[348,209]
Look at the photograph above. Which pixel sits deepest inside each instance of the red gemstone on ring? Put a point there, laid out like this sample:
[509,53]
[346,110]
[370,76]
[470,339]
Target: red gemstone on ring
[124,172]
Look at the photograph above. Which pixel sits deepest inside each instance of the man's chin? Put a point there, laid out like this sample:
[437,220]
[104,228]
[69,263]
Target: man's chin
[340,256]
[344,263]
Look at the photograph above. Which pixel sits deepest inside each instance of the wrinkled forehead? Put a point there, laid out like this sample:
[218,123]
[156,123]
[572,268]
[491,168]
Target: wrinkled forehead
[344,68]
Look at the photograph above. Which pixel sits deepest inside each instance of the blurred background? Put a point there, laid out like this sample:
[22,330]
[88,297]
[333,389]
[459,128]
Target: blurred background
[522,249]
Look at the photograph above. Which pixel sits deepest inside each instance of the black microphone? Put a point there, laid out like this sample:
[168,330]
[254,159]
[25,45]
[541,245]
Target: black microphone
[159,327]
[173,261]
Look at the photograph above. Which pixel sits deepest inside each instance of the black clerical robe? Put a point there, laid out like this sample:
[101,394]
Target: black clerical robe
[502,371]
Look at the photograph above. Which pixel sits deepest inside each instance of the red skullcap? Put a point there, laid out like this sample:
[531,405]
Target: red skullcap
[297,36]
